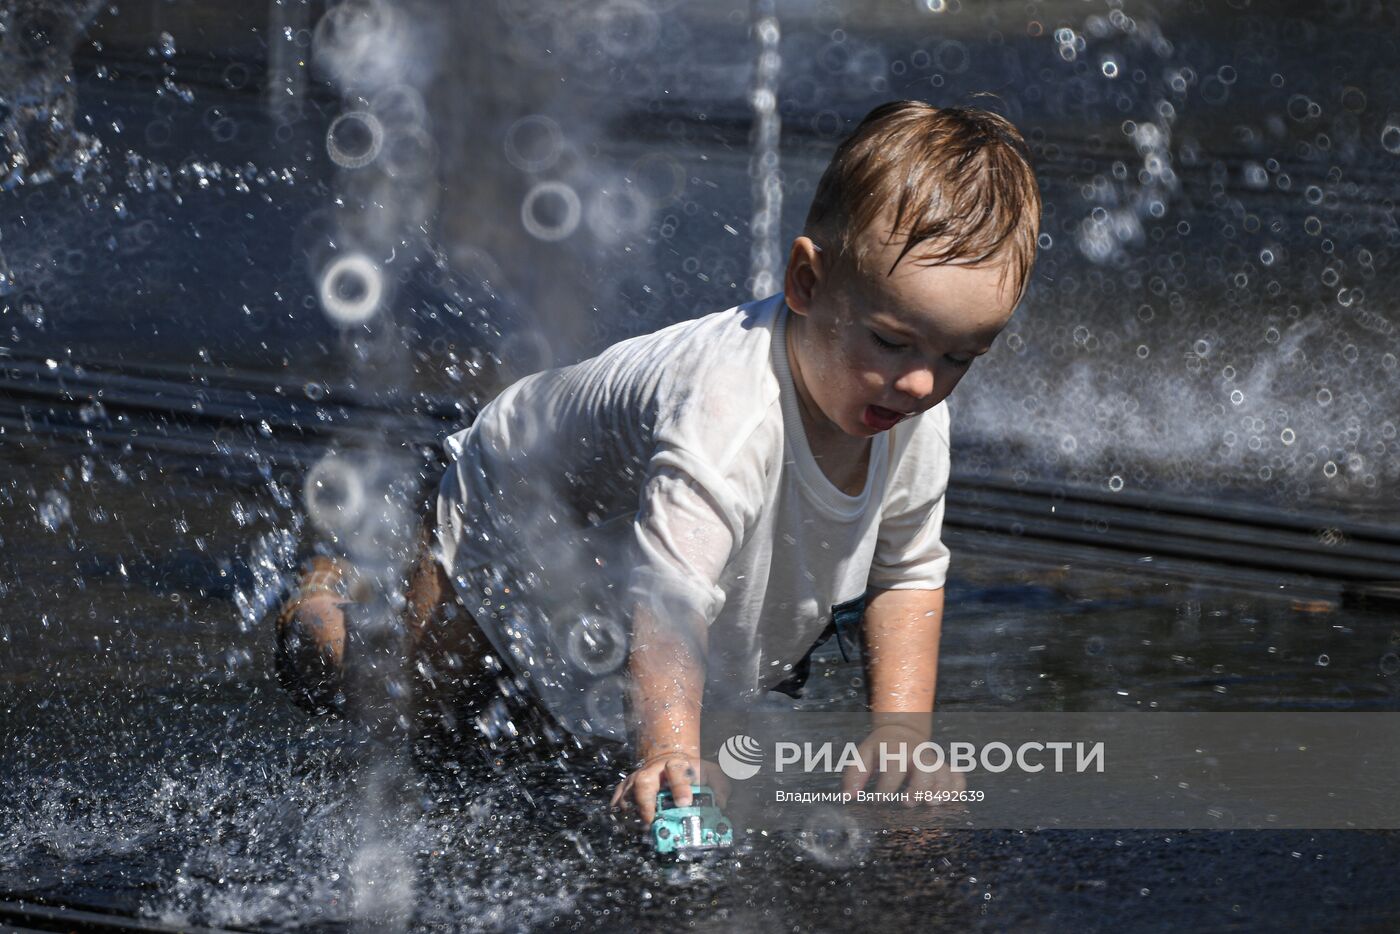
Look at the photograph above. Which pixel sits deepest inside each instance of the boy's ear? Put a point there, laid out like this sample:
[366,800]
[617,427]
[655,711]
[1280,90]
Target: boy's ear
[805,274]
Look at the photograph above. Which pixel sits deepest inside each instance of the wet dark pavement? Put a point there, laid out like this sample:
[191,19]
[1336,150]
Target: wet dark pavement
[150,765]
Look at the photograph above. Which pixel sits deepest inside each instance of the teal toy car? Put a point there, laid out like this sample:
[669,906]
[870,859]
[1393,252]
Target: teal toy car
[688,833]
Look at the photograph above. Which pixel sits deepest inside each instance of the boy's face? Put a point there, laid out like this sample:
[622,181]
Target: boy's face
[875,349]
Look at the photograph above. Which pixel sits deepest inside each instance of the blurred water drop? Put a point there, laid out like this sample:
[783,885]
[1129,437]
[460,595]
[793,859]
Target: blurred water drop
[594,644]
[167,45]
[605,700]
[533,143]
[401,109]
[832,838]
[551,211]
[618,211]
[351,289]
[626,28]
[410,155]
[335,495]
[659,176]
[365,43]
[355,139]
[1390,138]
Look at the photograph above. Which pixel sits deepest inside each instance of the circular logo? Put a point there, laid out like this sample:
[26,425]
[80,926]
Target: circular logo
[740,757]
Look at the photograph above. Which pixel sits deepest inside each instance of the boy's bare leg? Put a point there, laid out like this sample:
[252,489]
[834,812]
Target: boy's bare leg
[311,635]
[445,649]
[457,687]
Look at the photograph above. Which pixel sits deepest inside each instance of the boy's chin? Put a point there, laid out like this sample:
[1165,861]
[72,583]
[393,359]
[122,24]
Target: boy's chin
[860,430]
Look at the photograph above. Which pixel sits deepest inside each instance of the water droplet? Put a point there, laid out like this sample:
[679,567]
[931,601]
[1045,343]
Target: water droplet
[352,287]
[551,211]
[1390,139]
[54,510]
[335,494]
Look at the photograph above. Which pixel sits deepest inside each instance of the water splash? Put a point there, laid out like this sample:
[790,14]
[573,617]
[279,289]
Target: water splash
[1124,199]
[38,100]
[765,254]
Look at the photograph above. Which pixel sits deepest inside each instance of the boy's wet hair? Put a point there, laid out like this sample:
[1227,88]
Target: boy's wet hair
[959,179]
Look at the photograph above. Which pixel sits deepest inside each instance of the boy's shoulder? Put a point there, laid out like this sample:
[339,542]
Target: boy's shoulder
[734,341]
[922,453]
[708,382]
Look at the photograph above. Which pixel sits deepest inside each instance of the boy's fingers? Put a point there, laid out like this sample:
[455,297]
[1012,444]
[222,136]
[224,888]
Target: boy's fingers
[644,788]
[619,795]
[890,780]
[919,780]
[679,775]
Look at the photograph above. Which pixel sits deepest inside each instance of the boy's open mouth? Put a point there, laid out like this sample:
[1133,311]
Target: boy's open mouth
[881,418]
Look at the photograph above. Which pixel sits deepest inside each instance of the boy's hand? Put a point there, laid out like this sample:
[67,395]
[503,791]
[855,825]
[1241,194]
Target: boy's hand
[675,770]
[893,736]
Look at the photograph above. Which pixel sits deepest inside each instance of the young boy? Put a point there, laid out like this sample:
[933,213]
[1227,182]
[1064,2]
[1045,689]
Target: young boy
[670,526]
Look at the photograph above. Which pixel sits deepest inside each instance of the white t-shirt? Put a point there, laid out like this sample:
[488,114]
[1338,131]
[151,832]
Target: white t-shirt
[673,468]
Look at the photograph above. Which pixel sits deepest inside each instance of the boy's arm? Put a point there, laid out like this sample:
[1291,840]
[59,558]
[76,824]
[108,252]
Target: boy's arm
[667,668]
[667,665]
[901,632]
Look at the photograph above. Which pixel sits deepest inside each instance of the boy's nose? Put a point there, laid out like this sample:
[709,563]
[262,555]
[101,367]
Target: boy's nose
[916,383]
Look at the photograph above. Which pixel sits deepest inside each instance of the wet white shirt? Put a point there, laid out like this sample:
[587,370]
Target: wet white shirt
[673,468]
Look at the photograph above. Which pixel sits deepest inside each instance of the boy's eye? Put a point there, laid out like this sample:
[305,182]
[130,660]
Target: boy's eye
[887,345]
[958,361]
